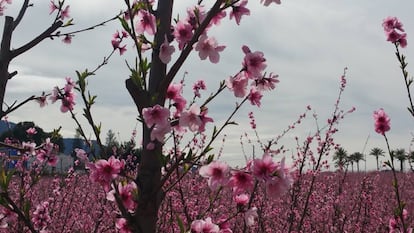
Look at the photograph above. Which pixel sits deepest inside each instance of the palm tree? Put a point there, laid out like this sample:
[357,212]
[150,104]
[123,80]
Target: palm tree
[410,158]
[356,157]
[401,155]
[340,158]
[377,152]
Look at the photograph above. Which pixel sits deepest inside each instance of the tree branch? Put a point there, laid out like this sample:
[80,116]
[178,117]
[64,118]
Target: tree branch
[21,14]
[37,40]
[189,47]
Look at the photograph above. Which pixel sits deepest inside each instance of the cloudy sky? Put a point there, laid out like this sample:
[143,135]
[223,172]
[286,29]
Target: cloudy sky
[308,43]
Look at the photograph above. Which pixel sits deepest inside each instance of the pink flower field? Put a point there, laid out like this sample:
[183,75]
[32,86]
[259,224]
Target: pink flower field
[353,202]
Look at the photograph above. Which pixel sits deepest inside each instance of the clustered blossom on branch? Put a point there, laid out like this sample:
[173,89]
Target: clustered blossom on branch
[104,171]
[67,96]
[253,65]
[382,121]
[64,12]
[276,177]
[116,41]
[393,28]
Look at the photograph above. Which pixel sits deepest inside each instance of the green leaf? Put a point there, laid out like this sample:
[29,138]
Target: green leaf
[26,209]
[69,23]
[180,224]
[190,155]
[8,178]
[3,178]
[210,158]
[125,25]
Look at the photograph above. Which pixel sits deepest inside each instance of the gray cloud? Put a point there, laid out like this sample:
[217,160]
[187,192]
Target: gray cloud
[308,43]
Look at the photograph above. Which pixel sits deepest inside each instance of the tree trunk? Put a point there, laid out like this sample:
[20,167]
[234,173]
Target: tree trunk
[5,58]
[148,181]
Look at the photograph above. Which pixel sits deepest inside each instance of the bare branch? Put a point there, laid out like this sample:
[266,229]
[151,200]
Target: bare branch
[37,40]
[21,14]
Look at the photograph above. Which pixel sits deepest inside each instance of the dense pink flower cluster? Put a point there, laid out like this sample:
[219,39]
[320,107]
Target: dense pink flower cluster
[48,153]
[382,121]
[116,41]
[394,31]
[127,194]
[67,96]
[104,171]
[253,65]
[395,223]
[160,119]
[40,217]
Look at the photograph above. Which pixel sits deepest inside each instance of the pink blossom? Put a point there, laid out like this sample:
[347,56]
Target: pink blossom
[241,199]
[67,39]
[204,120]
[382,121]
[146,22]
[391,23]
[166,50]
[180,103]
[191,118]
[255,96]
[276,186]
[68,101]
[266,83]
[159,131]
[122,50]
[31,131]
[30,146]
[103,171]
[208,47]
[267,2]
[69,84]
[54,95]
[250,216]
[254,62]
[174,91]
[197,86]
[264,168]
[182,33]
[81,154]
[238,85]
[239,10]
[195,15]
[126,195]
[204,226]
[65,13]
[48,153]
[241,181]
[42,100]
[41,217]
[217,18]
[122,225]
[156,115]
[116,42]
[394,31]
[3,7]
[52,7]
[216,172]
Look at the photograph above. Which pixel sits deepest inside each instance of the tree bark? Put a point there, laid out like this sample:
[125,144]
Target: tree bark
[149,170]
[5,58]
